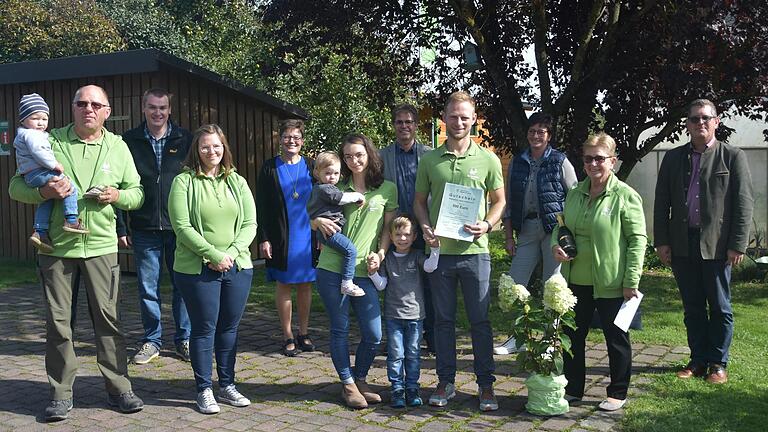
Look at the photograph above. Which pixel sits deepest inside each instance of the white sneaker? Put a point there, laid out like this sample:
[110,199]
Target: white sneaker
[206,403]
[230,395]
[508,347]
[349,288]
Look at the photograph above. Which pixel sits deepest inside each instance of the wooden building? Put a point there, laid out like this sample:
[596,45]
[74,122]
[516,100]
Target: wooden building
[248,117]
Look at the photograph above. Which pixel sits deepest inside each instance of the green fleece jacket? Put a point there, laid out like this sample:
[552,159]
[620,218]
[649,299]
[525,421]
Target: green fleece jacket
[113,167]
[189,193]
[610,230]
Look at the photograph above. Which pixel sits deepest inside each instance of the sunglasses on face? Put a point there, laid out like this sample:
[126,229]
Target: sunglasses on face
[95,105]
[698,119]
[599,159]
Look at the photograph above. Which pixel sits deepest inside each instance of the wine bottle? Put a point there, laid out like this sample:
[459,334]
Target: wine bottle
[565,238]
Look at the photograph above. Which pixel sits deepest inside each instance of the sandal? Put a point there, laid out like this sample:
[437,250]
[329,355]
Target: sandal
[304,343]
[290,352]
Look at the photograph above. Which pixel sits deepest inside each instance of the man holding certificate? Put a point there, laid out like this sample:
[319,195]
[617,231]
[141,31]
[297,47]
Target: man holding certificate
[459,176]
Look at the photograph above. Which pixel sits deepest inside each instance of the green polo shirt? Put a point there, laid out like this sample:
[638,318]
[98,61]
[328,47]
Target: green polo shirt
[363,227]
[105,161]
[478,168]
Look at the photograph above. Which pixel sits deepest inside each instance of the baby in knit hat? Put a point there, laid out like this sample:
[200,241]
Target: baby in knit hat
[37,164]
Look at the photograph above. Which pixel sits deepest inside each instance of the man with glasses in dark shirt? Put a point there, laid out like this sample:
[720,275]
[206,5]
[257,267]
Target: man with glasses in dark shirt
[701,219]
[401,160]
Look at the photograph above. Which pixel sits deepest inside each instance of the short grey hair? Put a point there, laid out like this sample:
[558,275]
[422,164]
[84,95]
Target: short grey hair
[703,103]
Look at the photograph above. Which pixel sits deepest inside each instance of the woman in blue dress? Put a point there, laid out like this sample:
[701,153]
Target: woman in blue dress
[284,235]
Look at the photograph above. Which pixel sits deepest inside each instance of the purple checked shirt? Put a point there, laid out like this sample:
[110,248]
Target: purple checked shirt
[694,204]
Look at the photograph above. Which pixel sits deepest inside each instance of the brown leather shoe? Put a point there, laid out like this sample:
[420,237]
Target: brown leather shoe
[369,395]
[717,374]
[692,370]
[352,397]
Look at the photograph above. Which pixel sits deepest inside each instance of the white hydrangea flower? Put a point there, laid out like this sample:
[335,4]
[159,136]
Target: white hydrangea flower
[557,295]
[509,292]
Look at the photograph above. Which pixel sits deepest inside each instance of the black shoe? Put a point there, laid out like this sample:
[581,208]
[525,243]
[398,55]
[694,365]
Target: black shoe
[127,402]
[58,410]
[290,352]
[304,343]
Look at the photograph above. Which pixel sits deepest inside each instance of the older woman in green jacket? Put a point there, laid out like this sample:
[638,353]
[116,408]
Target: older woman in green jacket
[607,220]
[214,217]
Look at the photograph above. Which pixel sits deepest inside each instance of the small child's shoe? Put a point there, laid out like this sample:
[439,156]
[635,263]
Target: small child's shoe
[398,399]
[77,227]
[41,242]
[349,288]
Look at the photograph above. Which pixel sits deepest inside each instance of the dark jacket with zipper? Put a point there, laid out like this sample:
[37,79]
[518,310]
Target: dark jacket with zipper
[153,215]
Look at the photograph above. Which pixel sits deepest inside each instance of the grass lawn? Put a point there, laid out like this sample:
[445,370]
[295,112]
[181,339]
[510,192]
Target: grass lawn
[668,404]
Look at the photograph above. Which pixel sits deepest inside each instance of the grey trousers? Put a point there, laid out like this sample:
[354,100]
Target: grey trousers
[532,246]
[473,272]
[102,280]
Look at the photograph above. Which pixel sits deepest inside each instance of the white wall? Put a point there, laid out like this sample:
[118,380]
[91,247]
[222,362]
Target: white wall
[748,135]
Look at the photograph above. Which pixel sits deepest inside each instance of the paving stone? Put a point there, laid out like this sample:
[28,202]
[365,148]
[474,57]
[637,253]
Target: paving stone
[296,394]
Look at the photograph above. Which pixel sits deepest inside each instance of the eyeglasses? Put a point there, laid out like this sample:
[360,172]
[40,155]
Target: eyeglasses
[698,119]
[290,138]
[95,105]
[537,132]
[599,159]
[356,156]
[404,122]
[212,149]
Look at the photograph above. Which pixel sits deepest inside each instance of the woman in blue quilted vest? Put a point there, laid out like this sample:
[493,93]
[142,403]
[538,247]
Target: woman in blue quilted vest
[538,180]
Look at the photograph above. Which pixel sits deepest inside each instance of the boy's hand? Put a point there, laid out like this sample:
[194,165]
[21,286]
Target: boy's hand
[373,262]
[59,168]
[434,242]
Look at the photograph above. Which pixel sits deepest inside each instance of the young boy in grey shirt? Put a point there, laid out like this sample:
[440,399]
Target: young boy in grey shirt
[401,274]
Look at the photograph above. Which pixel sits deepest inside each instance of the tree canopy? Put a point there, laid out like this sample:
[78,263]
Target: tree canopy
[622,66]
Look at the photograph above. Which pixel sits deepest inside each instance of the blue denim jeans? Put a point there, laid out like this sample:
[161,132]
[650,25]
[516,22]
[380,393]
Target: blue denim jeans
[474,272]
[215,301]
[150,249]
[39,177]
[705,283]
[343,245]
[368,315]
[404,353]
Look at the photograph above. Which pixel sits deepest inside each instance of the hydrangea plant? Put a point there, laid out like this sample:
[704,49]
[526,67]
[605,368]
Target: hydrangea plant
[538,324]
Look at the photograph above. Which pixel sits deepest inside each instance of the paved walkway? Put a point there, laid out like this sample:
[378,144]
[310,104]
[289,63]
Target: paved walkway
[292,394]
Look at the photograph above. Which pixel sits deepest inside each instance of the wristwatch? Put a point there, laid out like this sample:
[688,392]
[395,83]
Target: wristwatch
[490,227]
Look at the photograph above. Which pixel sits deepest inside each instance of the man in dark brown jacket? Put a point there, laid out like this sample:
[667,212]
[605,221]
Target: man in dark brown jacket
[702,214]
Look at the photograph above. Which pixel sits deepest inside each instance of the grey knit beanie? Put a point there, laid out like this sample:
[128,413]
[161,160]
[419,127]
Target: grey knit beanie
[31,104]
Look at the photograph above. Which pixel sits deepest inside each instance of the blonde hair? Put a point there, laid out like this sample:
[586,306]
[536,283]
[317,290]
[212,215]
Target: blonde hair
[402,221]
[323,161]
[601,140]
[458,97]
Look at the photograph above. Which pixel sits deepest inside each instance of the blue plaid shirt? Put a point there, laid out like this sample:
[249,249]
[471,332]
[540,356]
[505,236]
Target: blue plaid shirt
[158,144]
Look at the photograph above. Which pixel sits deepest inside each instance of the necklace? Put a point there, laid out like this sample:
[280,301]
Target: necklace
[294,179]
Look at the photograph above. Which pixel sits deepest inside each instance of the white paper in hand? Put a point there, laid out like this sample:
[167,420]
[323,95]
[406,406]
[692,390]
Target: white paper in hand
[627,312]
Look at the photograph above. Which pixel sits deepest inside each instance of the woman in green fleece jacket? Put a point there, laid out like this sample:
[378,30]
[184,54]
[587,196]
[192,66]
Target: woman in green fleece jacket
[214,217]
[607,220]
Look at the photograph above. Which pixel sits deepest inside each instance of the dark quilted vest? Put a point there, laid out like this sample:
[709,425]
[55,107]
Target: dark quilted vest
[549,186]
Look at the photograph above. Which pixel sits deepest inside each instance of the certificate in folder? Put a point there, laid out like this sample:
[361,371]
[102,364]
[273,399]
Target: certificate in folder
[627,312]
